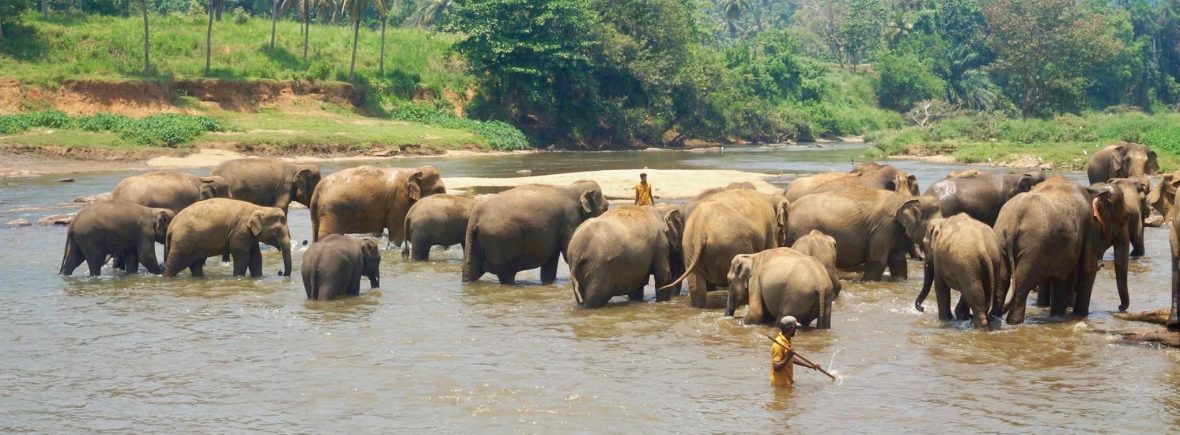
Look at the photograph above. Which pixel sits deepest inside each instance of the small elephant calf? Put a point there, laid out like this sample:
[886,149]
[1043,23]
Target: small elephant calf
[965,254]
[436,220]
[115,228]
[823,248]
[334,265]
[781,282]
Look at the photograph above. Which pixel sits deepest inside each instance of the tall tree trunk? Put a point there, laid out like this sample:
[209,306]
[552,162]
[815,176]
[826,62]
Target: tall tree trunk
[382,65]
[219,10]
[356,33]
[274,22]
[44,8]
[209,41]
[1,29]
[306,25]
[146,60]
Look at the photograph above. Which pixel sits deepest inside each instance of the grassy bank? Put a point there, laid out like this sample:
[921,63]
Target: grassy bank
[47,51]
[1064,141]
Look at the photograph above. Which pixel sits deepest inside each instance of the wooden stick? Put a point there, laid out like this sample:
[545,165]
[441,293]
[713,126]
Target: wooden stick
[814,365]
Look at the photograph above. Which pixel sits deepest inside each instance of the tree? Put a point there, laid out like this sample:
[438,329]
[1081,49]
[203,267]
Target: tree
[434,12]
[825,18]
[1045,46]
[213,5]
[355,9]
[274,21]
[905,80]
[384,20]
[147,68]
[862,29]
[11,11]
[733,11]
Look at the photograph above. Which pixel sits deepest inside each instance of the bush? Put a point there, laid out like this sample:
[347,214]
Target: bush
[500,135]
[905,80]
[168,129]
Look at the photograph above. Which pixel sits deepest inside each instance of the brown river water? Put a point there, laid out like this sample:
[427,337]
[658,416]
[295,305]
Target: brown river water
[145,354]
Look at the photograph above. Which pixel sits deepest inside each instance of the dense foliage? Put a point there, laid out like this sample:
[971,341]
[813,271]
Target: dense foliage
[167,129]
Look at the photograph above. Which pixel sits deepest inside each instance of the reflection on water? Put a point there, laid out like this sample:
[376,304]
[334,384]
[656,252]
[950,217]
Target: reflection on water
[424,352]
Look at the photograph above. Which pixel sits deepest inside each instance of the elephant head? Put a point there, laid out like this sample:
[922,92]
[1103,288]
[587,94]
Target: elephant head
[269,226]
[214,187]
[889,178]
[1132,160]
[371,261]
[1027,180]
[914,215]
[424,181]
[304,183]
[590,196]
[674,230]
[740,269]
[1109,210]
[163,218]
[1162,196]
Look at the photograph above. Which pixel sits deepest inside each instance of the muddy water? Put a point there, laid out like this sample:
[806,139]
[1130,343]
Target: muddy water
[425,353]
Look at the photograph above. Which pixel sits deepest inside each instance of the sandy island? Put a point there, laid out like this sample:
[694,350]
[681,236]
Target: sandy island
[620,183]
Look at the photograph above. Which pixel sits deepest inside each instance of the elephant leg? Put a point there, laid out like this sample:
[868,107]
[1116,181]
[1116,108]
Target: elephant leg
[241,260]
[1043,296]
[1059,292]
[873,271]
[420,249]
[1137,248]
[120,262]
[962,309]
[132,262]
[255,264]
[898,267]
[94,263]
[942,295]
[147,256]
[1022,285]
[225,258]
[72,260]
[549,270]
[636,295]
[698,290]
[507,278]
[197,268]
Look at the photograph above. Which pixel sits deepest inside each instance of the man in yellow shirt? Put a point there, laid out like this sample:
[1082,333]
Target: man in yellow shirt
[782,355]
[643,192]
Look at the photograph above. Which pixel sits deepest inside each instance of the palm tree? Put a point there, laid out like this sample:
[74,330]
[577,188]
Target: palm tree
[734,10]
[355,9]
[146,64]
[384,20]
[434,11]
[213,5]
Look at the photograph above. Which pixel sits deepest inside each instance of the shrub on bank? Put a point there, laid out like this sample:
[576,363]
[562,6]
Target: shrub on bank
[500,135]
[168,129]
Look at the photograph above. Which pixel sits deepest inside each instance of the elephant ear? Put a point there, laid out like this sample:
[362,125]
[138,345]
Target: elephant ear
[163,219]
[254,223]
[370,250]
[932,232]
[908,214]
[414,185]
[1025,183]
[674,224]
[303,182]
[588,202]
[1153,163]
[913,182]
[741,268]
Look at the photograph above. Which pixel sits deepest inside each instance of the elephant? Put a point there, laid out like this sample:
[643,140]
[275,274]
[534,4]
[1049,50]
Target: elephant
[170,190]
[780,282]
[1135,192]
[876,228]
[1162,197]
[1053,238]
[981,194]
[116,228]
[368,199]
[1121,160]
[823,248]
[526,227]
[220,225]
[721,224]
[269,182]
[1173,322]
[614,254]
[965,254]
[436,220]
[334,266]
[867,174]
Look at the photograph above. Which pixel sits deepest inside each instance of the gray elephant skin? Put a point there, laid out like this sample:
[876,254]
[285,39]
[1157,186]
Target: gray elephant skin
[966,255]
[1122,160]
[1054,237]
[334,266]
[1135,192]
[169,189]
[614,254]
[981,194]
[436,220]
[721,224]
[781,282]
[1173,322]
[870,174]
[1162,198]
[368,199]
[219,226]
[115,228]
[876,228]
[269,182]
[823,248]
[527,227]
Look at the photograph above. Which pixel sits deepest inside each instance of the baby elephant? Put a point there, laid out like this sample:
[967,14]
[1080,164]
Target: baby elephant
[218,226]
[436,220]
[781,282]
[823,248]
[614,254]
[334,265]
[964,254]
[117,228]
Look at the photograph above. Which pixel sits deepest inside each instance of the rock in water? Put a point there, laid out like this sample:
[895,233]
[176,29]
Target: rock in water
[66,180]
[18,223]
[57,219]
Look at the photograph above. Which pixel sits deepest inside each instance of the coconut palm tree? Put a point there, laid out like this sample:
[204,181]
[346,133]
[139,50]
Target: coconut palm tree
[355,9]
[146,64]
[213,5]
[734,10]
[434,11]
[383,13]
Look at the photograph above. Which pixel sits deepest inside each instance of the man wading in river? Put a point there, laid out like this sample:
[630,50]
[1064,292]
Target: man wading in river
[643,191]
[782,355]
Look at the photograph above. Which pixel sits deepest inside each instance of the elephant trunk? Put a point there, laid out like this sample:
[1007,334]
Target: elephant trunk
[927,282]
[374,281]
[286,248]
[732,301]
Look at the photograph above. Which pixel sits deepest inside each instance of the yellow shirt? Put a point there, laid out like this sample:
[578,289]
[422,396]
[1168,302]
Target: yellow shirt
[643,194]
[784,378]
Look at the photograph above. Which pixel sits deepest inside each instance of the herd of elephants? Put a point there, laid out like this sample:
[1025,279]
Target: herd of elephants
[980,233]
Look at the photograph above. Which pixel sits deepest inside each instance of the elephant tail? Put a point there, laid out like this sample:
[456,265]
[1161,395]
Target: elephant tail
[576,285]
[699,251]
[315,218]
[406,243]
[68,252]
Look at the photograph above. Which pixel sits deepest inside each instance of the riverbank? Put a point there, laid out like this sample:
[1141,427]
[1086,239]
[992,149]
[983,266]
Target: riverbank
[667,184]
[1064,142]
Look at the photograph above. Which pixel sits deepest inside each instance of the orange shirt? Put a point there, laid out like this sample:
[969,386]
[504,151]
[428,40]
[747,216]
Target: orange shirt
[784,378]
[643,194]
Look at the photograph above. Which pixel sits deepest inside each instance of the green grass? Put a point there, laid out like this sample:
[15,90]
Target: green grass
[165,129]
[46,52]
[1064,141]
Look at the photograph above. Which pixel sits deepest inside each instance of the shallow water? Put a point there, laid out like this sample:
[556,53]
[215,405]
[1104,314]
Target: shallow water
[426,353]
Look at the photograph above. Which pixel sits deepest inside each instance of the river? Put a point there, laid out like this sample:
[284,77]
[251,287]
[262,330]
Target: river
[425,353]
